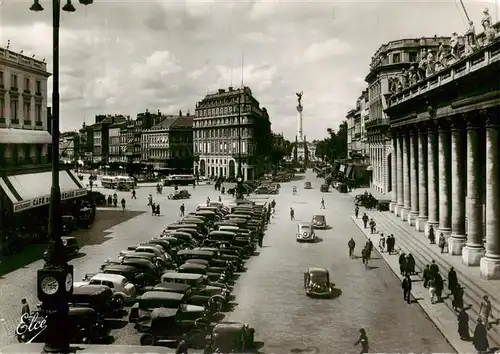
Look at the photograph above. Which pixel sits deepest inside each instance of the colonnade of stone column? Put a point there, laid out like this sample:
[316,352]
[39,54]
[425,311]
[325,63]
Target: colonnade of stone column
[437,170]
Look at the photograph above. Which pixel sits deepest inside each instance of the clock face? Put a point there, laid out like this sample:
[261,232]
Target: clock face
[69,282]
[49,285]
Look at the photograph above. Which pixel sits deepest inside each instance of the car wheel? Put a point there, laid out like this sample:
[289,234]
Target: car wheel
[147,339]
[196,339]
[120,301]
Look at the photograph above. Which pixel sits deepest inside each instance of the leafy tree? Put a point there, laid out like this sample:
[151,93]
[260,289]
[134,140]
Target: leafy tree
[334,146]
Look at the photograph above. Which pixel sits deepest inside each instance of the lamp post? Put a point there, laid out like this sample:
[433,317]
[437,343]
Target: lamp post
[239,178]
[55,279]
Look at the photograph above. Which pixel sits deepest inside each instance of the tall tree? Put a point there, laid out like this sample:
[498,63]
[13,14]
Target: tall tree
[334,146]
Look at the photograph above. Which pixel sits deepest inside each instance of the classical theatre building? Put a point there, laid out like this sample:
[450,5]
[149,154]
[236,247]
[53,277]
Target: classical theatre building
[446,153]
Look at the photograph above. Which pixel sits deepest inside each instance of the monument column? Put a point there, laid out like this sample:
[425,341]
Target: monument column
[394,184]
[406,177]
[422,180]
[399,174]
[474,249]
[444,179]
[458,239]
[432,176]
[490,263]
[412,218]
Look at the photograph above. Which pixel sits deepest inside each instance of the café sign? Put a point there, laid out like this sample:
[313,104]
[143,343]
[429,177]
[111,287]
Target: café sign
[36,202]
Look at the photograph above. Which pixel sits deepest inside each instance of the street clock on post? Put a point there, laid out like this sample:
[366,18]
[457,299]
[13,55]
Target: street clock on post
[54,282]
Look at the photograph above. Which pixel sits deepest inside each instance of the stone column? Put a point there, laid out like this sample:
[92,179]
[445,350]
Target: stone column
[394,184]
[458,239]
[377,152]
[406,177]
[422,180]
[399,174]
[490,263]
[444,163]
[432,176]
[474,249]
[412,218]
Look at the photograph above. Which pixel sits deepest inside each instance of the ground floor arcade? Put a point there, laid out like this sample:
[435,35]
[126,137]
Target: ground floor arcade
[222,167]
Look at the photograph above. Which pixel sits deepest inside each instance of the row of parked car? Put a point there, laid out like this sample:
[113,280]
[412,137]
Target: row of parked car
[177,284]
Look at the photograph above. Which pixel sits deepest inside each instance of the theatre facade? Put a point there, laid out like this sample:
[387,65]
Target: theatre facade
[445,161]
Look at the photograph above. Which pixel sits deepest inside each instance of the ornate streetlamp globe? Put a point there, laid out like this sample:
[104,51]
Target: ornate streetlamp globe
[69,7]
[36,6]
[86,2]
[240,179]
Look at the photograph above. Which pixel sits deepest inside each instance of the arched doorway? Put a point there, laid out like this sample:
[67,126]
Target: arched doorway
[232,168]
[202,168]
[389,172]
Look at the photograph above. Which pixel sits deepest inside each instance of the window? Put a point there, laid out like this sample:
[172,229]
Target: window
[27,84]
[2,107]
[396,58]
[13,109]
[13,82]
[413,57]
[38,87]
[1,78]
[38,113]
[27,113]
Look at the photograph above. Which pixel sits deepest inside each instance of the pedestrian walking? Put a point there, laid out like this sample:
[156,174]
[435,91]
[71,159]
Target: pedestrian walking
[402,263]
[480,339]
[432,291]
[153,209]
[182,210]
[25,308]
[292,214]
[363,341]
[123,204]
[426,276]
[406,285]
[351,244]
[410,264]
[441,242]
[458,298]
[150,200]
[439,284]
[261,238]
[365,220]
[389,243]
[365,256]
[133,194]
[356,211]
[157,211]
[208,201]
[373,226]
[322,204]
[220,199]
[485,311]
[431,235]
[434,269]
[381,243]
[463,325]
[369,245]
[452,280]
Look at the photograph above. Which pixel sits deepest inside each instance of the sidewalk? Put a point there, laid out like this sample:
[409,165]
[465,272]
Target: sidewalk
[442,314]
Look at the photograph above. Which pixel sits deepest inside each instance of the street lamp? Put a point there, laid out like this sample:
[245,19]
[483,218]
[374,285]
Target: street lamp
[55,279]
[239,178]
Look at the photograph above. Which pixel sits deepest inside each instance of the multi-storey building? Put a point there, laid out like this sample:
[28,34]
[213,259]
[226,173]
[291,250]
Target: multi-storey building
[100,146]
[390,70]
[169,144]
[135,128]
[69,146]
[229,125]
[116,153]
[25,176]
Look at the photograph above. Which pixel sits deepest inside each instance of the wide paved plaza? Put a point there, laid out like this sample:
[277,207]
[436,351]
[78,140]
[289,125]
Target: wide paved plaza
[270,295]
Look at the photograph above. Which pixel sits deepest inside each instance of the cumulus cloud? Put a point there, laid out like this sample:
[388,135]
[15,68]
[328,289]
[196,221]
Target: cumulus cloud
[124,57]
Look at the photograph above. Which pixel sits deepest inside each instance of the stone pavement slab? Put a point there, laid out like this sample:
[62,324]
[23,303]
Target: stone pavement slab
[444,318]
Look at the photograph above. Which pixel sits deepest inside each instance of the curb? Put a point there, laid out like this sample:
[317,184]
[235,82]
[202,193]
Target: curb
[442,317]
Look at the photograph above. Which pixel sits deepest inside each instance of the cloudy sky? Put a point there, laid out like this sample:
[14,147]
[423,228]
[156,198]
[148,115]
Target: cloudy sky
[125,56]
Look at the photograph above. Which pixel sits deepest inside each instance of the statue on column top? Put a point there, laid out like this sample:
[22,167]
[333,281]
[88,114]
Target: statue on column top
[299,97]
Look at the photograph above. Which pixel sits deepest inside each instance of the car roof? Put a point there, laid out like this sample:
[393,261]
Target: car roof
[80,310]
[124,268]
[188,276]
[205,212]
[115,278]
[304,224]
[195,252]
[228,327]
[90,289]
[172,286]
[193,266]
[162,312]
[164,295]
[68,238]
[317,270]
[318,216]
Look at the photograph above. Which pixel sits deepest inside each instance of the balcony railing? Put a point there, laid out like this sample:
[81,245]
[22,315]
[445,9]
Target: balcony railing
[26,122]
[376,123]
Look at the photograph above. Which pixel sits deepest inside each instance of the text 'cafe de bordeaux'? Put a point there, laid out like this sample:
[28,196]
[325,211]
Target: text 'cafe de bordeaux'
[445,157]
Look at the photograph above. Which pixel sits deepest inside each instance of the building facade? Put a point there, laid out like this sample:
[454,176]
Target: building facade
[357,142]
[230,125]
[116,153]
[392,68]
[445,138]
[69,146]
[168,145]
[101,138]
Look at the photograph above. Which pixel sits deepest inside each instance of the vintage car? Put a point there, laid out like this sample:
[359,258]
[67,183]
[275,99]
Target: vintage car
[150,300]
[305,233]
[193,232]
[157,250]
[199,284]
[319,222]
[70,245]
[266,190]
[208,215]
[167,327]
[317,282]
[218,274]
[325,188]
[157,261]
[307,185]
[124,291]
[142,265]
[84,326]
[200,224]
[182,194]
[132,274]
[220,258]
[97,297]
[231,337]
[164,244]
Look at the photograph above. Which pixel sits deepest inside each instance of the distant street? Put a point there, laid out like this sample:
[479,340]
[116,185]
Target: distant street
[270,294]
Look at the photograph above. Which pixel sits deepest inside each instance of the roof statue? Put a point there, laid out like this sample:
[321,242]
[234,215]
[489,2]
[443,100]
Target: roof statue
[299,97]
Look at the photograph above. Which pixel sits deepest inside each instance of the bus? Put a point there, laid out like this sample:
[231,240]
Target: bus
[113,181]
[108,182]
[179,180]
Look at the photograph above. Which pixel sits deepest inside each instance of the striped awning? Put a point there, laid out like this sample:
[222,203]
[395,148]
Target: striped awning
[32,190]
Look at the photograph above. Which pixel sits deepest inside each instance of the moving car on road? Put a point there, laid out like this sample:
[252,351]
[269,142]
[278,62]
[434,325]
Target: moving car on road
[307,185]
[231,337]
[325,188]
[305,233]
[317,282]
[319,222]
[182,194]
